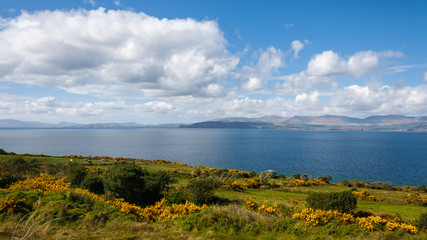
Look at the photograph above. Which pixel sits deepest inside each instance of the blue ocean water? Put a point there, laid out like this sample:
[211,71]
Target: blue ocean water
[397,157]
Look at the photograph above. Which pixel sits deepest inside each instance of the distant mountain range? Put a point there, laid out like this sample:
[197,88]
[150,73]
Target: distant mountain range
[327,122]
[12,123]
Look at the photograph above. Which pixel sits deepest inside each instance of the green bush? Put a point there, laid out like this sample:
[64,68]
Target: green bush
[201,190]
[266,175]
[94,183]
[176,196]
[136,185]
[422,221]
[234,219]
[76,173]
[344,202]
[3,152]
[19,167]
[7,180]
[326,178]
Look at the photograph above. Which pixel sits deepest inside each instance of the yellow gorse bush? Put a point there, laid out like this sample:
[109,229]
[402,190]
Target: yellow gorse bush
[321,217]
[251,204]
[364,194]
[417,198]
[251,183]
[8,204]
[161,212]
[270,209]
[158,212]
[371,223]
[265,207]
[44,183]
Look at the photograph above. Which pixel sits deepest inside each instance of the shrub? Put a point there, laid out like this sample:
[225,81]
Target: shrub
[304,177]
[7,180]
[136,185]
[3,152]
[422,221]
[266,175]
[94,183]
[327,178]
[76,174]
[234,219]
[19,167]
[201,190]
[176,196]
[56,168]
[380,185]
[296,176]
[422,188]
[356,183]
[344,183]
[344,202]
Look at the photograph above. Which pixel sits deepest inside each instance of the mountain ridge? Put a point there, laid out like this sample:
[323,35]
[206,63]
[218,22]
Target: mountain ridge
[324,122]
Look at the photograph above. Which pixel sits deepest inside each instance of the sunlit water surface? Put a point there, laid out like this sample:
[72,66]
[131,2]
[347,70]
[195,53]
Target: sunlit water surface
[398,157]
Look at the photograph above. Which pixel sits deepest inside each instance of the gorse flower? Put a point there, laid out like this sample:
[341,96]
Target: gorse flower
[44,183]
[371,223]
[364,194]
[9,204]
[265,207]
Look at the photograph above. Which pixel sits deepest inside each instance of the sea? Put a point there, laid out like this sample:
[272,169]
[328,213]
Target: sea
[396,157]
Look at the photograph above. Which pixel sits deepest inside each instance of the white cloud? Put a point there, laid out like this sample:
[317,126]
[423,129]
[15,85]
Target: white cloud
[297,46]
[302,82]
[80,49]
[380,99]
[117,2]
[329,63]
[425,76]
[255,77]
[307,99]
[289,25]
[156,106]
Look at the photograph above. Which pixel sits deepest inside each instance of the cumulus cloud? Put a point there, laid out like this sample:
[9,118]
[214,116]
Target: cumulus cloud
[156,106]
[307,99]
[296,47]
[81,48]
[329,63]
[425,76]
[302,82]
[255,77]
[323,70]
[380,99]
[21,106]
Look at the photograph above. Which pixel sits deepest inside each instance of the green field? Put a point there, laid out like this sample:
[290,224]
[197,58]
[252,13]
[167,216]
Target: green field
[29,211]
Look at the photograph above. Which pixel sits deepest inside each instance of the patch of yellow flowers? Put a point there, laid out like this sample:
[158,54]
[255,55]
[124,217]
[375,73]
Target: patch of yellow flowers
[265,207]
[159,212]
[321,217]
[44,183]
[365,194]
[8,204]
[417,198]
[371,223]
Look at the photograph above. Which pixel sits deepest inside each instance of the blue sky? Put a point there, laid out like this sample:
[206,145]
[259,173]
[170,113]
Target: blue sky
[186,61]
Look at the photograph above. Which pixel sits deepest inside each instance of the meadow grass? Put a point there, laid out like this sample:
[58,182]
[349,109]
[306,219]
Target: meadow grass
[82,218]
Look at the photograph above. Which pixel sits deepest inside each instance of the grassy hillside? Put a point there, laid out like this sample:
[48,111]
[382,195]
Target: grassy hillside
[83,197]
